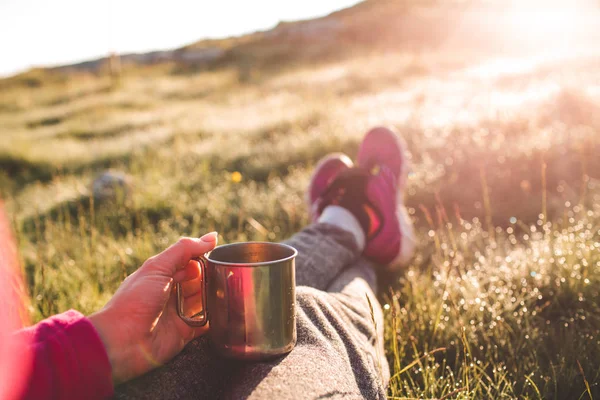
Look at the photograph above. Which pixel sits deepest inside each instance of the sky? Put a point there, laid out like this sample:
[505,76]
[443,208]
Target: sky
[55,32]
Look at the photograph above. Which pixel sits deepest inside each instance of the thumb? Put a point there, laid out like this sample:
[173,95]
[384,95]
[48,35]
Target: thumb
[179,254]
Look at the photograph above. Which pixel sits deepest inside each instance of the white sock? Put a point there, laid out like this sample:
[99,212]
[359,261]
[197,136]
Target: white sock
[344,219]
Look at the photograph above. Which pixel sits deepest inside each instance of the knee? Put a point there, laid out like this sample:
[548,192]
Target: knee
[317,306]
[309,297]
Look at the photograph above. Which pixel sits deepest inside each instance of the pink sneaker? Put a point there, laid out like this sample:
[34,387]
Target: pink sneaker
[326,171]
[382,147]
[390,240]
[371,199]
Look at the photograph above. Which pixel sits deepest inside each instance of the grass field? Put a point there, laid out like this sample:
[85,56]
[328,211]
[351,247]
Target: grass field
[502,299]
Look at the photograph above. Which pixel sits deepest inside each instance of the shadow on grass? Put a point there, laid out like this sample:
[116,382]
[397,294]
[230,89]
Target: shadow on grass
[85,135]
[16,172]
[261,167]
[46,121]
[20,171]
[115,219]
[514,186]
[70,97]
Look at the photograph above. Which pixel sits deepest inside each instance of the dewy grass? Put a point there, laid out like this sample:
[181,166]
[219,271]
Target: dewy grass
[519,315]
[502,299]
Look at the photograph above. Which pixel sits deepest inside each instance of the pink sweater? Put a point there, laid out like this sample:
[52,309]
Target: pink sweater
[62,357]
[67,360]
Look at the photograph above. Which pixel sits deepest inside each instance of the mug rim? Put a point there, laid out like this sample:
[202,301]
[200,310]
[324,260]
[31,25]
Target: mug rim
[253,264]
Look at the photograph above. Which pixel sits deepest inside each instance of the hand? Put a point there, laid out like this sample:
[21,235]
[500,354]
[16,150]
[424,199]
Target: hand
[139,326]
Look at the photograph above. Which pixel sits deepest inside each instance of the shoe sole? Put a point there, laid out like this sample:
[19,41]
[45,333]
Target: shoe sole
[392,145]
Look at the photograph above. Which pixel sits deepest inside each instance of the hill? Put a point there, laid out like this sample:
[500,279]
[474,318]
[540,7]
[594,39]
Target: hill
[370,26]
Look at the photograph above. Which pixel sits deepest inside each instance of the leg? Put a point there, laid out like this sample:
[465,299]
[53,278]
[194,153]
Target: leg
[352,287]
[339,353]
[196,372]
[324,250]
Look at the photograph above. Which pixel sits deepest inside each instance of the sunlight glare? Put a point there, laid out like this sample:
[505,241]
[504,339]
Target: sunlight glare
[551,22]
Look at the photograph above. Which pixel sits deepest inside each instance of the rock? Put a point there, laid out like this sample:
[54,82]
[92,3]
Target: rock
[112,185]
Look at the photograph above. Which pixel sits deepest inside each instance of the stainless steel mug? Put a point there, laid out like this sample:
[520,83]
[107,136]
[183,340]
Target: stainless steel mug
[248,298]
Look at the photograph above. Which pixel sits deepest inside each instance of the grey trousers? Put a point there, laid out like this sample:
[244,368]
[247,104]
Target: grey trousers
[339,353]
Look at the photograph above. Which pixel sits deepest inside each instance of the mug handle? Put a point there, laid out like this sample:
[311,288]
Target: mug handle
[199,319]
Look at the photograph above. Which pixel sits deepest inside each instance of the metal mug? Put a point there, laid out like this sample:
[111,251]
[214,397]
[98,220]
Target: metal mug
[248,298]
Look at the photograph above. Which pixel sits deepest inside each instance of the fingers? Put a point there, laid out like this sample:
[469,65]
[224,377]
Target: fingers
[193,304]
[191,287]
[178,255]
[190,306]
[191,271]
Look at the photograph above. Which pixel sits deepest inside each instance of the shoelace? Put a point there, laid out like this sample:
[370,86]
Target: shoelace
[348,190]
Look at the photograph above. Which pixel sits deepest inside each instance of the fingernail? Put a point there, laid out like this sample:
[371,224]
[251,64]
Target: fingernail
[209,237]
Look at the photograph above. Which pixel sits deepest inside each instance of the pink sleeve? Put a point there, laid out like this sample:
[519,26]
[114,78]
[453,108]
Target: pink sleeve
[68,359]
